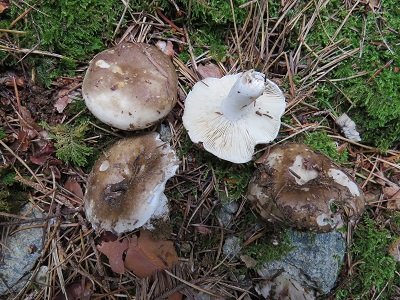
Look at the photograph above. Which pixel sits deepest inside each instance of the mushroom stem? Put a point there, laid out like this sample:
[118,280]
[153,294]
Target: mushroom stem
[246,89]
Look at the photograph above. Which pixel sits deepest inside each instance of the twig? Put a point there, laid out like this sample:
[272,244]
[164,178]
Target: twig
[29,51]
[22,162]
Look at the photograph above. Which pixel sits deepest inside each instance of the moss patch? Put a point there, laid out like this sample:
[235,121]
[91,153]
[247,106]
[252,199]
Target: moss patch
[266,250]
[375,95]
[375,271]
[76,29]
[320,141]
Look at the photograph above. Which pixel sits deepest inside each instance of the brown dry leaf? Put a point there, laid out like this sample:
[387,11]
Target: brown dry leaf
[74,187]
[392,194]
[82,290]
[4,5]
[146,255]
[62,100]
[44,154]
[8,78]
[203,229]
[167,47]
[209,70]
[394,249]
[373,4]
[250,262]
[28,123]
[114,251]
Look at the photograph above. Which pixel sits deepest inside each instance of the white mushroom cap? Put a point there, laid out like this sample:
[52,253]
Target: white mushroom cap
[233,114]
[126,185]
[131,86]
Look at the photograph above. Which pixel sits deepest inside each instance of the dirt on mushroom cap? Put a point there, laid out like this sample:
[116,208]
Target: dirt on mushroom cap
[305,189]
[127,181]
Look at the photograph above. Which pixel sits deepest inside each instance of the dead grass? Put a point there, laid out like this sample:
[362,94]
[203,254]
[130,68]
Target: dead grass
[70,245]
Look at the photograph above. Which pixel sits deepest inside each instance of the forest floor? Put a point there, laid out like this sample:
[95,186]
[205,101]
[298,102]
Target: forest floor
[329,58]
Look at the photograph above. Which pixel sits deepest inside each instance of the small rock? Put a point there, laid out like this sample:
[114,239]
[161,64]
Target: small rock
[41,275]
[226,213]
[165,133]
[230,207]
[20,253]
[232,246]
[314,262]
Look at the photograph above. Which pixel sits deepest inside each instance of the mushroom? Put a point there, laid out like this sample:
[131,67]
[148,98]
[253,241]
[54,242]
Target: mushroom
[232,114]
[125,187]
[131,86]
[294,185]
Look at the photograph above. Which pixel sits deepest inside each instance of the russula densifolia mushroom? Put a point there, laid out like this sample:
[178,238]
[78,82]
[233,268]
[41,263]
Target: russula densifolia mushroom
[305,189]
[232,114]
[125,187]
[131,86]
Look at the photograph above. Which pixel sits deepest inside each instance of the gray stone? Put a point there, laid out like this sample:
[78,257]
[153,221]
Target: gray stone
[230,207]
[232,246]
[165,133]
[314,262]
[21,251]
[226,213]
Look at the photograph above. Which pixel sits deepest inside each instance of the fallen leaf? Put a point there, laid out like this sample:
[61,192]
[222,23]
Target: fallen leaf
[3,6]
[373,4]
[82,290]
[44,153]
[108,236]
[209,70]
[28,123]
[167,47]
[392,194]
[202,229]
[62,100]
[146,255]
[394,249]
[8,78]
[250,262]
[114,251]
[74,187]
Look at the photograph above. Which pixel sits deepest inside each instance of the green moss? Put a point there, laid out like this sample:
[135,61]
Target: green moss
[12,194]
[265,250]
[76,29]
[320,141]
[2,134]
[69,142]
[375,269]
[376,95]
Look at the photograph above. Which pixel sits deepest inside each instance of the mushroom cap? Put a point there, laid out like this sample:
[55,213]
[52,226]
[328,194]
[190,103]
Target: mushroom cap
[125,187]
[232,140]
[131,86]
[295,185]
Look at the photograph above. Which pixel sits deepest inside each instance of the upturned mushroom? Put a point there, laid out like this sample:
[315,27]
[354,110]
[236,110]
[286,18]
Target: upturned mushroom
[125,187]
[232,114]
[131,86]
[306,190]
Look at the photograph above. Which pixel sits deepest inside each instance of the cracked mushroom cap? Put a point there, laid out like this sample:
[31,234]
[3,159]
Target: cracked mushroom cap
[232,114]
[295,185]
[125,187]
[131,86]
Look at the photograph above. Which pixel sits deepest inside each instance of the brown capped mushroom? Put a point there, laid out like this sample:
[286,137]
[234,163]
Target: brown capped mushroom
[126,185]
[131,86]
[295,185]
